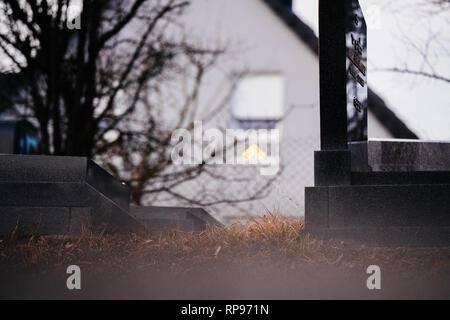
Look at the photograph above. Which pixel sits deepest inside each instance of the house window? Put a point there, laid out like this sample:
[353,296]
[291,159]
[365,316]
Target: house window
[258,101]
[256,124]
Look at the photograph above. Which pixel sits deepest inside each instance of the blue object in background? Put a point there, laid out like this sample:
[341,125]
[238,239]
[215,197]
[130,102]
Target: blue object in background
[19,137]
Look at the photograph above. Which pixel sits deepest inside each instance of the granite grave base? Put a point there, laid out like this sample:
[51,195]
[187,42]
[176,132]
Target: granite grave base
[390,205]
[390,192]
[57,195]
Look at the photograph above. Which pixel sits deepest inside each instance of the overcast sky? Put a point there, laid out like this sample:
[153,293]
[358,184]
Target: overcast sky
[394,28]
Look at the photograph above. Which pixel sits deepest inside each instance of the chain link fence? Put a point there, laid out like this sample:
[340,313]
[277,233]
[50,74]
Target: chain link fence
[230,190]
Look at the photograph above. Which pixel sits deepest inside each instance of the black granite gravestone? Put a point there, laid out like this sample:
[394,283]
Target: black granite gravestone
[343,74]
[61,195]
[385,191]
[66,195]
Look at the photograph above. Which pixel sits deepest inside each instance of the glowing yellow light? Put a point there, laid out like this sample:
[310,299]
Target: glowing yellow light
[254,152]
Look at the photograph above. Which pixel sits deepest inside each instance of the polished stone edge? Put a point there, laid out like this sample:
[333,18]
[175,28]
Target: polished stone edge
[106,214]
[32,169]
[44,194]
[44,220]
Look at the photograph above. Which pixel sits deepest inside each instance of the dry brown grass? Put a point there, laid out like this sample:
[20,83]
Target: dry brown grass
[270,240]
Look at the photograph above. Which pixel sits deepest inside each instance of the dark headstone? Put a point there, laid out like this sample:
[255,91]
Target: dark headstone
[343,74]
[343,92]
[63,195]
[409,155]
[63,187]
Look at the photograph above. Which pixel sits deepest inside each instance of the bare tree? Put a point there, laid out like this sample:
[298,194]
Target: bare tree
[431,45]
[100,90]
[73,77]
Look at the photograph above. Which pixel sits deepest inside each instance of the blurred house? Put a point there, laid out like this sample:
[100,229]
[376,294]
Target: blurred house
[279,89]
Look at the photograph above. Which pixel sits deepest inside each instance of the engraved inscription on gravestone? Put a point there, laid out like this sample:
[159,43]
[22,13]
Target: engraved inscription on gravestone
[356,66]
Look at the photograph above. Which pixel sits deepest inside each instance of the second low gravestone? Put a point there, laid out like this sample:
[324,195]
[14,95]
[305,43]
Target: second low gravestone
[355,197]
[52,195]
[174,218]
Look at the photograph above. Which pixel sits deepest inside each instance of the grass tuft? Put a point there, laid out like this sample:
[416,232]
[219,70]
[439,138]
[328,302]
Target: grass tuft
[273,239]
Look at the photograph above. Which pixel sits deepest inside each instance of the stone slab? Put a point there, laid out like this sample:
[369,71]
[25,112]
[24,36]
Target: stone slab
[164,218]
[67,170]
[409,155]
[378,208]
[384,206]
[45,194]
[106,215]
[105,212]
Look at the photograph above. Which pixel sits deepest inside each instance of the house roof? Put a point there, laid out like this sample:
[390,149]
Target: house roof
[376,104]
